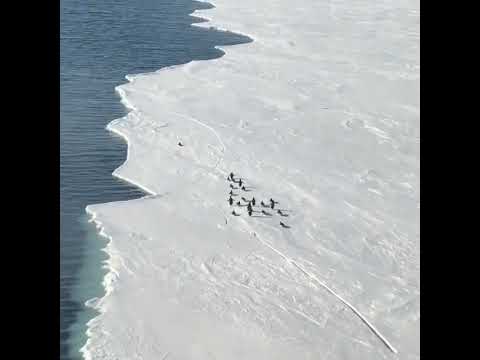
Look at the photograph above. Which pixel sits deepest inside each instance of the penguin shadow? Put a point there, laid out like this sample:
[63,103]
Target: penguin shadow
[284,226]
[266,213]
[281,213]
[234,213]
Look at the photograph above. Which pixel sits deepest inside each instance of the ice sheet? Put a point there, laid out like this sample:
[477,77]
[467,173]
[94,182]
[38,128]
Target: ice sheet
[321,113]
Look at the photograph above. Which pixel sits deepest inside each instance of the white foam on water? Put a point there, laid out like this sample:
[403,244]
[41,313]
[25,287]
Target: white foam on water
[321,113]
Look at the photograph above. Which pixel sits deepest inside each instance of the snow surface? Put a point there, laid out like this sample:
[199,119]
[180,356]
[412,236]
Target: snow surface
[320,112]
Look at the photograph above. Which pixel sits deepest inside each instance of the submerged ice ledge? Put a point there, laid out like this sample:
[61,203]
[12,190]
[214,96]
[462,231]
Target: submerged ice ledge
[289,114]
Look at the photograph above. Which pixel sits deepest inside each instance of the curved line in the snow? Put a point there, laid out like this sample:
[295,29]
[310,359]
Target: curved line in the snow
[206,126]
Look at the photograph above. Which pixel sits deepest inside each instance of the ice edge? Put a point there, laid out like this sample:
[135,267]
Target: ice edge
[108,279]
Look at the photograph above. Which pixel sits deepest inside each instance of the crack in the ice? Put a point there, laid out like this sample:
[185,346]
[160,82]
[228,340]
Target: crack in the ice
[313,277]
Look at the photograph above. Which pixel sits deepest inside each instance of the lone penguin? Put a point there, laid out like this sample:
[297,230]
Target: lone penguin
[238,203]
[180,143]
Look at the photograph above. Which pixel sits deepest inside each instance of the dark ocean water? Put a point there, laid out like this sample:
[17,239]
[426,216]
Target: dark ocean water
[101,42]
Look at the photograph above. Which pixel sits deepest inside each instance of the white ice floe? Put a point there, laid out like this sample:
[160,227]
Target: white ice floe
[321,113]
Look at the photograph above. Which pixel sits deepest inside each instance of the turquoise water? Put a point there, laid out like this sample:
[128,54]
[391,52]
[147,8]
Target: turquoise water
[101,42]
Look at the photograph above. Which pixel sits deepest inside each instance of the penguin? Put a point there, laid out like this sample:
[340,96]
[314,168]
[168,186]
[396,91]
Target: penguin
[238,203]
[253,201]
[230,201]
[180,143]
[240,183]
[234,213]
[281,213]
[231,192]
[250,212]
